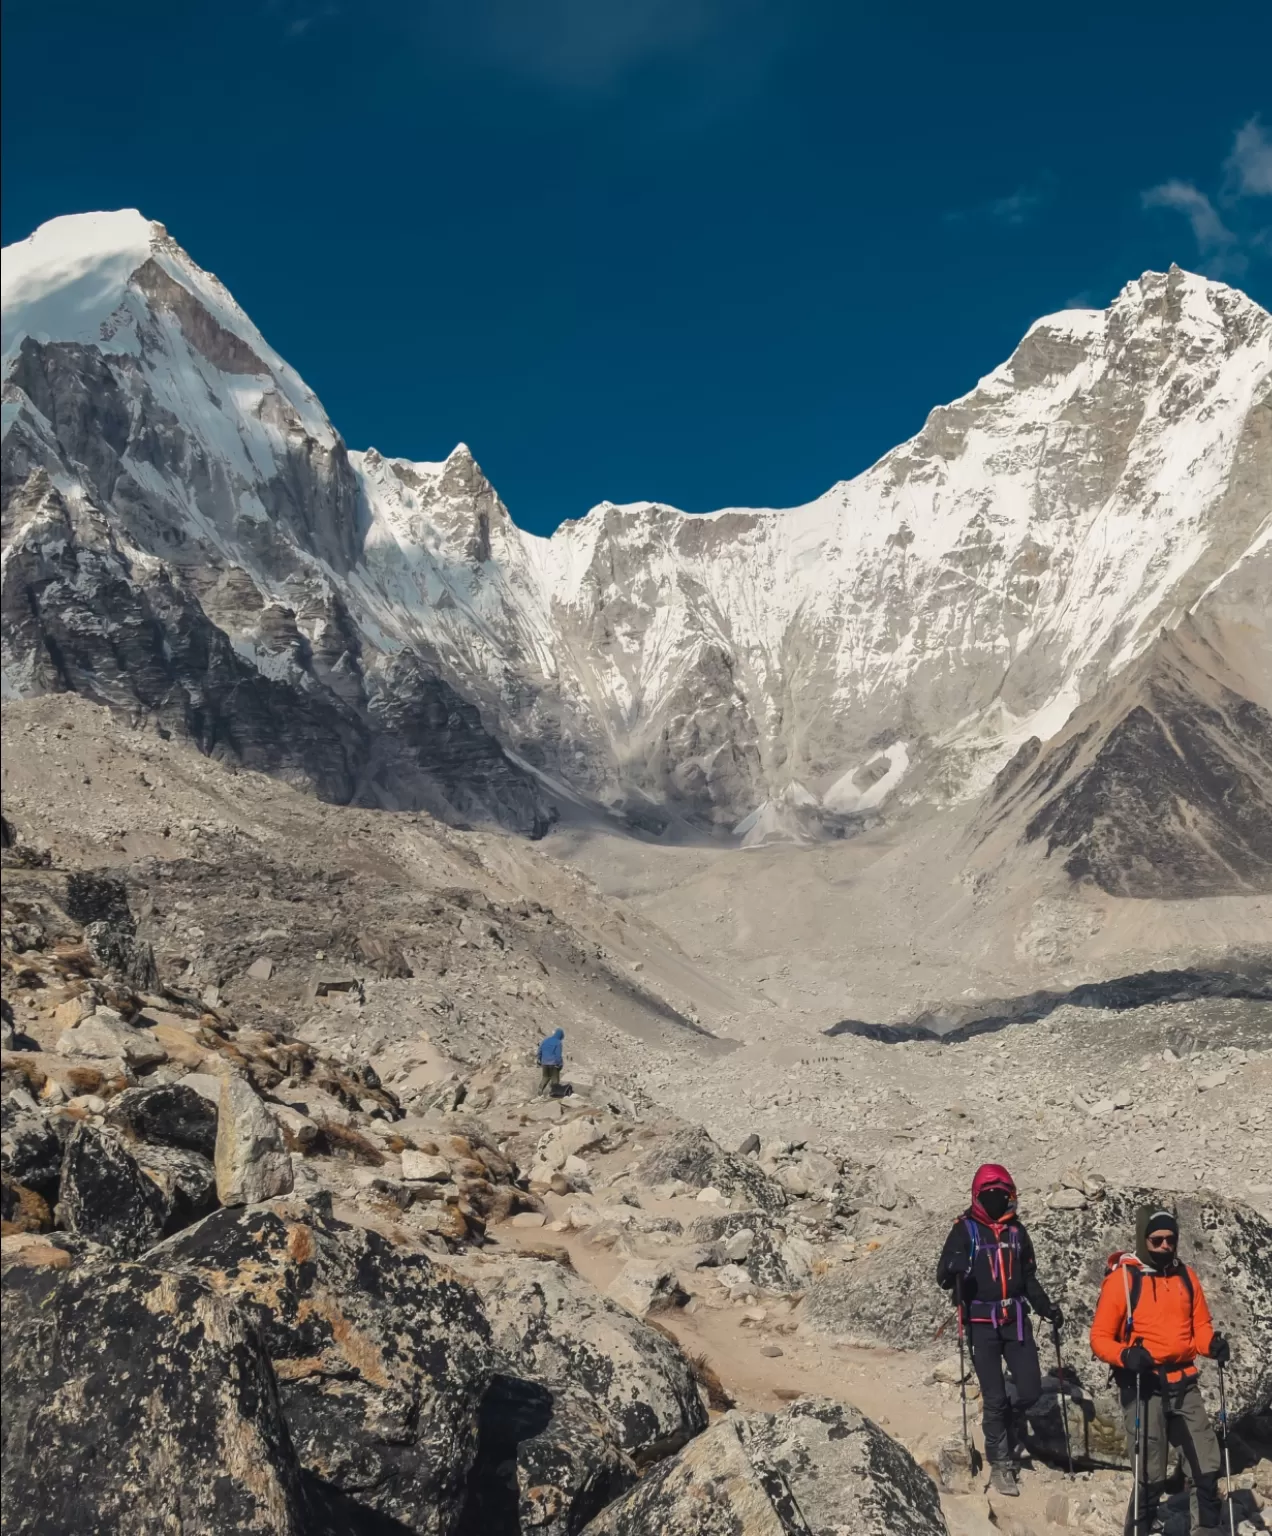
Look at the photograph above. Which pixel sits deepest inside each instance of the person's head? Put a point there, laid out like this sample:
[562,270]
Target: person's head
[1157,1237]
[993,1193]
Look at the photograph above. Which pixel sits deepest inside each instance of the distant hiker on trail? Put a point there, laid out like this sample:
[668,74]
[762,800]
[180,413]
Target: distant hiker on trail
[551,1060]
[1151,1322]
[988,1262]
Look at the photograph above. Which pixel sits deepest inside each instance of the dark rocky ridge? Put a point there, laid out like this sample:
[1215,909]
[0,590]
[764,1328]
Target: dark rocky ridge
[82,613]
[1161,787]
[1247,978]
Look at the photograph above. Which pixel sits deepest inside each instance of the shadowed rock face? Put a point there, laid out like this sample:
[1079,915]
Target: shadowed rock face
[169,1386]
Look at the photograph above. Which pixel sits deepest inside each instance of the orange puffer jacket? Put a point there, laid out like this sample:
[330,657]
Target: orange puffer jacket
[1171,1321]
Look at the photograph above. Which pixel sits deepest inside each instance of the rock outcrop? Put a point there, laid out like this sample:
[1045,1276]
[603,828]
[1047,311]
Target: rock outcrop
[140,1402]
[382,1360]
[818,1468]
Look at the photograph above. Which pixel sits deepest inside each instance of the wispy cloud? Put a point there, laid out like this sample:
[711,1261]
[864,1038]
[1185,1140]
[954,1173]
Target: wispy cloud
[298,17]
[1249,166]
[1019,207]
[589,46]
[1228,227]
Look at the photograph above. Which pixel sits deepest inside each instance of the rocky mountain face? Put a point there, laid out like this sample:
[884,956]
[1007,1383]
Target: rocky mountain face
[187,538]
[180,524]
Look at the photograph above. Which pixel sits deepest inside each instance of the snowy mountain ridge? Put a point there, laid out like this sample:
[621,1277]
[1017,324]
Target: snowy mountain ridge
[769,672]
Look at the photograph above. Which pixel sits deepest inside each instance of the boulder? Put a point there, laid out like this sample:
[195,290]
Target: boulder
[425,1167]
[104,1036]
[691,1156]
[30,1148]
[186,1179]
[114,944]
[382,1361]
[770,1259]
[556,1329]
[106,1196]
[646,1285]
[821,1467]
[168,1115]
[141,1403]
[252,1164]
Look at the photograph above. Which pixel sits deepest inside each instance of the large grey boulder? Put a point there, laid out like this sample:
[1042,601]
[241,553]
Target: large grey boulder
[382,1360]
[556,1329]
[691,1156]
[819,1469]
[252,1163]
[768,1257]
[892,1298]
[140,1403]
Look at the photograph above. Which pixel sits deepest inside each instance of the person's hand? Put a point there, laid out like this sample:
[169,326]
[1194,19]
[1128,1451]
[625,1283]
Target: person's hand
[1220,1349]
[1136,1358]
[1056,1317]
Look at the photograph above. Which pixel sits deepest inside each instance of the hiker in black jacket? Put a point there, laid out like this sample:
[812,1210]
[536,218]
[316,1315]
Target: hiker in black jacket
[988,1262]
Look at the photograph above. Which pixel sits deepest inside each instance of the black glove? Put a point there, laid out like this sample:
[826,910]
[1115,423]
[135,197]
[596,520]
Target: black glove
[1055,1317]
[1136,1358]
[1220,1349]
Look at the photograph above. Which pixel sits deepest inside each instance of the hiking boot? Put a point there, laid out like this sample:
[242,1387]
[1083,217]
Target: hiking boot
[1002,1479]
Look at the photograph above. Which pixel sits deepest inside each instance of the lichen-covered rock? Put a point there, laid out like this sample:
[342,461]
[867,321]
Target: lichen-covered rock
[819,1469]
[186,1179]
[106,1196]
[167,1114]
[30,1149]
[138,1402]
[382,1362]
[691,1156]
[892,1298]
[556,1329]
[768,1258]
[252,1164]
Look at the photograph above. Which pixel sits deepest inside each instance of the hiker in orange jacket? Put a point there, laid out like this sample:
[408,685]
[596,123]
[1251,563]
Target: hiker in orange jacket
[1151,1322]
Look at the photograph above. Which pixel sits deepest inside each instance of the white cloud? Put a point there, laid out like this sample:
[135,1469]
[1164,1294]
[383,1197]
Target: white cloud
[1227,231]
[1249,166]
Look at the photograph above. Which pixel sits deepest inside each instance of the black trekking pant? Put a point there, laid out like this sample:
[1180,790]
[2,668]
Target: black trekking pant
[1010,1381]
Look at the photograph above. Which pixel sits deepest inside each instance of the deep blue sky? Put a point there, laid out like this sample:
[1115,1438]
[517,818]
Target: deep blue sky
[711,252]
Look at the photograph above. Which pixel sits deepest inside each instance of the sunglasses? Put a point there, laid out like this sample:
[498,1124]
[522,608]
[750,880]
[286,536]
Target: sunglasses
[1162,1240]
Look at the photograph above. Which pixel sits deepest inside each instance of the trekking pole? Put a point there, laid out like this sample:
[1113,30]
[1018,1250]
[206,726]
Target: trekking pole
[1064,1411]
[1227,1456]
[972,1456]
[1135,1466]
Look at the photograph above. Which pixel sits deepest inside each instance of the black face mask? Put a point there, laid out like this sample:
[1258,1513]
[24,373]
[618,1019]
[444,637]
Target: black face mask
[995,1203]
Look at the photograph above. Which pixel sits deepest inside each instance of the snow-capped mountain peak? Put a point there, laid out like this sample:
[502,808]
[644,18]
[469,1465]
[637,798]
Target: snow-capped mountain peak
[769,670]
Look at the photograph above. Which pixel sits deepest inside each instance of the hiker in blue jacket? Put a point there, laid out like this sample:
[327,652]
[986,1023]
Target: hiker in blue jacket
[551,1060]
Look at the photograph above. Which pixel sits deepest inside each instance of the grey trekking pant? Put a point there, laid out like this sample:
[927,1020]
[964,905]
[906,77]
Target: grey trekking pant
[549,1077]
[1177,1419]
